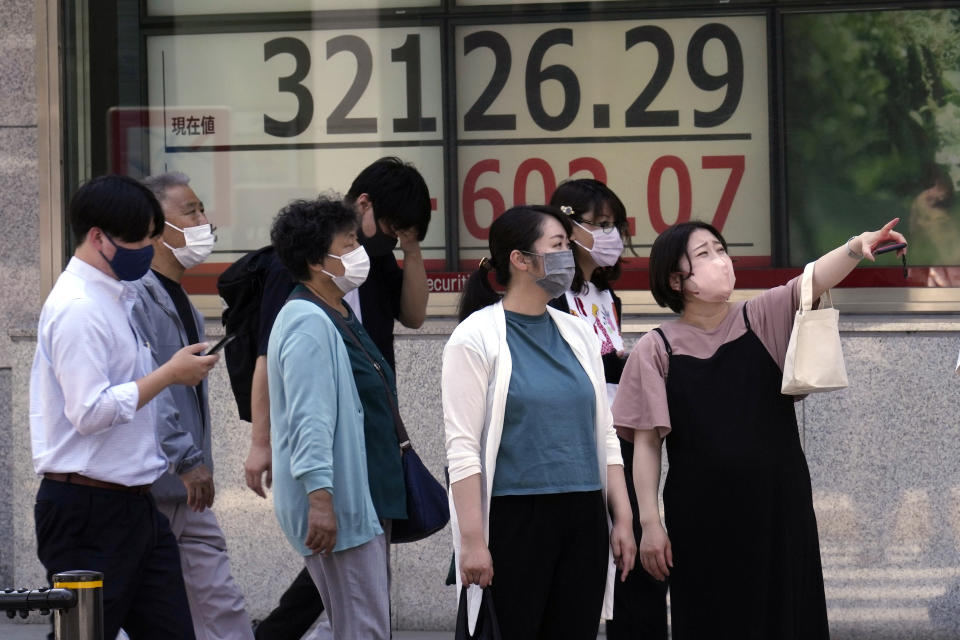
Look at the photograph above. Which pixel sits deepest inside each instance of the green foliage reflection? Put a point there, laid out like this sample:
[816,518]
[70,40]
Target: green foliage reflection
[873,129]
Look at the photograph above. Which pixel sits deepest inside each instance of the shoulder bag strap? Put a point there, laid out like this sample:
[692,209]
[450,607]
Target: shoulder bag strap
[303,293]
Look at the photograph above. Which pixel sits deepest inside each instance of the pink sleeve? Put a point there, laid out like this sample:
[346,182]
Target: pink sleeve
[771,317]
[641,400]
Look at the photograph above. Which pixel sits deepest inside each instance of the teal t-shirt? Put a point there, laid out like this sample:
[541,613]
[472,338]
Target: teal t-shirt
[548,443]
[384,468]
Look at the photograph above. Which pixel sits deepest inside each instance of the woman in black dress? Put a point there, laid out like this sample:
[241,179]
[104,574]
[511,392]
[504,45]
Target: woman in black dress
[742,556]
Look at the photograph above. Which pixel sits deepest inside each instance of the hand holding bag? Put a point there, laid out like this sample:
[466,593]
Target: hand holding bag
[486,628]
[427,508]
[814,359]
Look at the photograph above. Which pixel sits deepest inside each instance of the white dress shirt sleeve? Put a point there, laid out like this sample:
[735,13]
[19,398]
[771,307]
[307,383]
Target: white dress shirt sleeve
[80,355]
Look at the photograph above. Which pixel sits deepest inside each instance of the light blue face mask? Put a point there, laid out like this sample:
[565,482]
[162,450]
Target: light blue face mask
[558,270]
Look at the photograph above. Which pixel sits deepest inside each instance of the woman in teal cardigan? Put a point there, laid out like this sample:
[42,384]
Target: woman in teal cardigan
[330,508]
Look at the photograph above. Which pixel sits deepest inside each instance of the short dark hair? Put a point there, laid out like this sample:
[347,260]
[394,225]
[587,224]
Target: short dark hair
[587,194]
[118,205]
[397,192]
[669,247]
[304,229]
[517,229]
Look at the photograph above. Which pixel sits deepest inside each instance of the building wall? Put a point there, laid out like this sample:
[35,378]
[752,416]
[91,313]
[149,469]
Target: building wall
[883,461]
[884,466]
[19,239]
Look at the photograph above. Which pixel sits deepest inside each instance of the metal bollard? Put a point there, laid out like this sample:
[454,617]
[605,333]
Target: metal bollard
[84,621]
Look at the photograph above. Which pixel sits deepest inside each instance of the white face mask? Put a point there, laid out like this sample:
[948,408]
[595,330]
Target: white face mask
[607,246]
[356,266]
[198,245]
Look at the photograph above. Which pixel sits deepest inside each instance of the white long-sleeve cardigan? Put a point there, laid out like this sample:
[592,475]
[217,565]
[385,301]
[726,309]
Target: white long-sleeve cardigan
[475,380]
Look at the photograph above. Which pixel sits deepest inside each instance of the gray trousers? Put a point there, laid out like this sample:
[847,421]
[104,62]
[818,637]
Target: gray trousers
[216,604]
[354,585]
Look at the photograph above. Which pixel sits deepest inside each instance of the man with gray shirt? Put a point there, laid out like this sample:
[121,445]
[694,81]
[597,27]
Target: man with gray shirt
[166,314]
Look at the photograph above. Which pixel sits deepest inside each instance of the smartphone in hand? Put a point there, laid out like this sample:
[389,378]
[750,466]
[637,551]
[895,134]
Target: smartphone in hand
[224,341]
[887,248]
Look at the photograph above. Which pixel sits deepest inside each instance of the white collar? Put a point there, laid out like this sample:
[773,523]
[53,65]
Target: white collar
[89,273]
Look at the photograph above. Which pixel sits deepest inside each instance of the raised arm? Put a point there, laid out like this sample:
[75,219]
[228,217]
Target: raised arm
[833,267]
[79,347]
[413,292]
[186,366]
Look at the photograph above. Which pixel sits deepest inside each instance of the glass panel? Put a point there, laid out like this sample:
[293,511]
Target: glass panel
[218,7]
[873,132]
[633,3]
[261,118]
[486,3]
[671,114]
[672,111]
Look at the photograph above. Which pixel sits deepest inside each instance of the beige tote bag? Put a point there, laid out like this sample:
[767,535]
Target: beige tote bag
[814,359]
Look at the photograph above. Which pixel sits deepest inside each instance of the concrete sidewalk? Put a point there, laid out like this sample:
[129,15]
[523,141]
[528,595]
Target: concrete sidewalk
[10,630]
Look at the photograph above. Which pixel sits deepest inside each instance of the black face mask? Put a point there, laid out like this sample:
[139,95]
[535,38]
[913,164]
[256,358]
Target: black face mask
[379,245]
[129,264]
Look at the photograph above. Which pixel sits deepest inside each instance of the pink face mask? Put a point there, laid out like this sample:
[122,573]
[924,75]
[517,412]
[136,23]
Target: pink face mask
[712,281]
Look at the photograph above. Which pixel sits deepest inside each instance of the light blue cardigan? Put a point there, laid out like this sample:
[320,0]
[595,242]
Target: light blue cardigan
[316,427]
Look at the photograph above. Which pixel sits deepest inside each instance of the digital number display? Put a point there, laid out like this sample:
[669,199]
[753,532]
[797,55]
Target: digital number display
[671,114]
[336,86]
[340,121]
[305,112]
[639,113]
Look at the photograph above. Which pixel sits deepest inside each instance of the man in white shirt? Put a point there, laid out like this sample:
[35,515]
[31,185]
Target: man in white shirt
[92,425]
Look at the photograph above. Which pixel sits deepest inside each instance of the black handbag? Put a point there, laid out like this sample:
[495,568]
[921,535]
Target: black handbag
[427,508]
[487,627]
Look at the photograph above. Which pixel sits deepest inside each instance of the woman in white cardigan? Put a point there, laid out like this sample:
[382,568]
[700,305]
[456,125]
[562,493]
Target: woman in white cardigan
[538,498]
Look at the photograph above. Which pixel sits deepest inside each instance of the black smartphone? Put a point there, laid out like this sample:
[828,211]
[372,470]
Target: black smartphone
[221,344]
[887,248]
